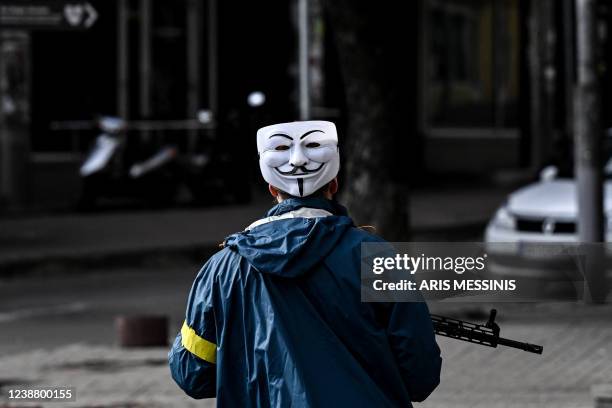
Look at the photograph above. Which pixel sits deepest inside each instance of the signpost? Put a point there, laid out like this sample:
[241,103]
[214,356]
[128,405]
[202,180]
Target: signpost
[47,15]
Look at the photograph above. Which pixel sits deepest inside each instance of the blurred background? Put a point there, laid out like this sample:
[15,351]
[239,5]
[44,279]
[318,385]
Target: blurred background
[127,154]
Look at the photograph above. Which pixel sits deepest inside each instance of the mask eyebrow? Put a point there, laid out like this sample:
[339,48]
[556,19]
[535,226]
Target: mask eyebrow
[280,135]
[309,132]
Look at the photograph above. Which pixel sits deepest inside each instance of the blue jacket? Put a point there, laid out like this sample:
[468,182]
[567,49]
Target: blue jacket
[275,319]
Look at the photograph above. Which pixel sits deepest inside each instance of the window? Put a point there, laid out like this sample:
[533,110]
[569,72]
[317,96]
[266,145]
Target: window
[471,63]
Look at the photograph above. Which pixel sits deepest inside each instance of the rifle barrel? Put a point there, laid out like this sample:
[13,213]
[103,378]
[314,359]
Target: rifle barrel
[532,348]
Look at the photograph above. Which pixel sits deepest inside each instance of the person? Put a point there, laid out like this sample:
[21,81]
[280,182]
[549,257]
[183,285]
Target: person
[275,318]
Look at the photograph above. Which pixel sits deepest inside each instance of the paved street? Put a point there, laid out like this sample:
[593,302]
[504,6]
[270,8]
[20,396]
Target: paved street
[42,312]
[117,236]
[60,332]
[80,241]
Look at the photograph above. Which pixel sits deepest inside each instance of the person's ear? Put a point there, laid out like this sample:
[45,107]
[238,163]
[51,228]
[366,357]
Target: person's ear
[333,186]
[273,191]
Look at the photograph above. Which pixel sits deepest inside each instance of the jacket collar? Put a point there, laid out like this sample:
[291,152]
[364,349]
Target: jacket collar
[292,204]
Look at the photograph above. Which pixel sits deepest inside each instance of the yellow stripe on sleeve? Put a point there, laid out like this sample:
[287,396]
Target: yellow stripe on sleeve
[198,346]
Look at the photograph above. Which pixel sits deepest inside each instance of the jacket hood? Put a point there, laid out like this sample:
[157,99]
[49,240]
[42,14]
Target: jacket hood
[292,246]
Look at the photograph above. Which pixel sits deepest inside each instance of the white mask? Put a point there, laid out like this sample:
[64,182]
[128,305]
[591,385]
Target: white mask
[299,157]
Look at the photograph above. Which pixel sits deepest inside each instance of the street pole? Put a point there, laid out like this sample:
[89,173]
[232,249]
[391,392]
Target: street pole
[568,61]
[194,19]
[303,52]
[5,168]
[122,59]
[588,147]
[145,62]
[535,97]
[542,58]
[213,96]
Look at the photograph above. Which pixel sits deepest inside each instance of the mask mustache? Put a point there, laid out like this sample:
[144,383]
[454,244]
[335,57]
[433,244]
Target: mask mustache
[295,170]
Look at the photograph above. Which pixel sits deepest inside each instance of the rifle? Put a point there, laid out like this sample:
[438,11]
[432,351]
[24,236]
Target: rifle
[485,334]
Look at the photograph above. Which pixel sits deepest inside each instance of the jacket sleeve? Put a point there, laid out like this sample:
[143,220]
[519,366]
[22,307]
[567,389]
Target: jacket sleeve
[411,336]
[193,355]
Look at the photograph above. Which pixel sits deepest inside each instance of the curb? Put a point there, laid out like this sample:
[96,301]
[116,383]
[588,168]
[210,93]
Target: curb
[61,264]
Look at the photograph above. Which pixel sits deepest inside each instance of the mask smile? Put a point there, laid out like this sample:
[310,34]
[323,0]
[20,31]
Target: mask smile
[299,171]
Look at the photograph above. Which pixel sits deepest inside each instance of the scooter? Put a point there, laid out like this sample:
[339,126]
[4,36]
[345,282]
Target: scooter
[107,173]
[220,172]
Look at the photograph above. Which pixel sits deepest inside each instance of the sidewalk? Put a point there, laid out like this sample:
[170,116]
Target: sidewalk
[101,377]
[132,237]
[577,355]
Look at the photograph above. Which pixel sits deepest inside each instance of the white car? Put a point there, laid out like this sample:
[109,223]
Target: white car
[541,212]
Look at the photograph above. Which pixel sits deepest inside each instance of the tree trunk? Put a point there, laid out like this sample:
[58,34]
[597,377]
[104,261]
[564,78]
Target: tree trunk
[374,46]
[588,151]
